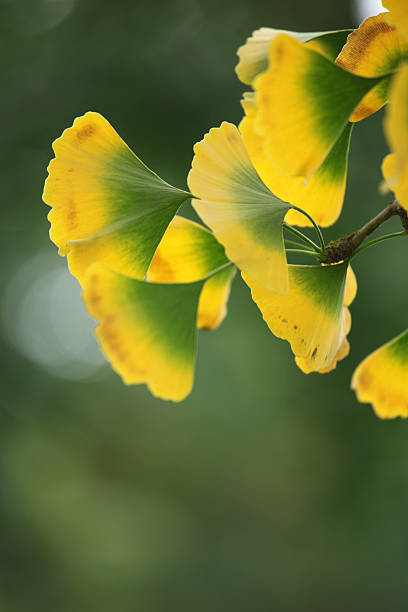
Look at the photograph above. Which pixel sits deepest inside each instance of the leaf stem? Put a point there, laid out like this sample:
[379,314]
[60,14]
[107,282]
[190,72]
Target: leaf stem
[380,239]
[293,243]
[304,252]
[228,264]
[317,228]
[304,238]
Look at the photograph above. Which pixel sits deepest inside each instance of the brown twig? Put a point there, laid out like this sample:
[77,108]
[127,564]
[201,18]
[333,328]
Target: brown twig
[404,218]
[343,247]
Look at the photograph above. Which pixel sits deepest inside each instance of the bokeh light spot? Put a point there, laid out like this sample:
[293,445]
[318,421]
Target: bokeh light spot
[44,317]
[366,8]
[35,16]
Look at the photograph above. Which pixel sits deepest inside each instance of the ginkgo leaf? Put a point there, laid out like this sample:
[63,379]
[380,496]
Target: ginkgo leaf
[304,103]
[306,364]
[107,206]
[395,165]
[311,315]
[189,252]
[322,196]
[375,48]
[253,55]
[382,379]
[147,330]
[234,203]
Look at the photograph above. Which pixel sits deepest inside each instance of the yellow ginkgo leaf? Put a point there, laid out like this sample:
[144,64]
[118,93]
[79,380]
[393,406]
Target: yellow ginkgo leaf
[306,364]
[382,379]
[107,206]
[189,252]
[395,165]
[375,48]
[253,55]
[234,203]
[322,196]
[147,330]
[311,315]
[304,103]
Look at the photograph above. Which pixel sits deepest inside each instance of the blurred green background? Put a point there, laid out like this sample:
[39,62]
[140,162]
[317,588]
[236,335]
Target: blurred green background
[266,489]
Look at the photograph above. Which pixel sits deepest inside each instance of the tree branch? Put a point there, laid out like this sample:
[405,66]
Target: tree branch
[343,247]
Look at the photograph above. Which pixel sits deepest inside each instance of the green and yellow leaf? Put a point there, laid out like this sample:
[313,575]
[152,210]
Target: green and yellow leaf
[146,330]
[306,364]
[234,203]
[322,196]
[107,206]
[395,165]
[311,316]
[189,252]
[375,48]
[304,103]
[382,379]
[212,307]
[253,55]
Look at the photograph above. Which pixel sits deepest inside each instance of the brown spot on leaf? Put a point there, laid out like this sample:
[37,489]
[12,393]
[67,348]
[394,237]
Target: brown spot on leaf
[278,50]
[111,337]
[94,299]
[365,379]
[232,136]
[86,132]
[160,269]
[72,215]
[362,111]
[359,43]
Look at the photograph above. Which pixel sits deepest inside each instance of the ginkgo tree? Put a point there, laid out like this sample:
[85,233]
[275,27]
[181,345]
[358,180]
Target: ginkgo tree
[152,278]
